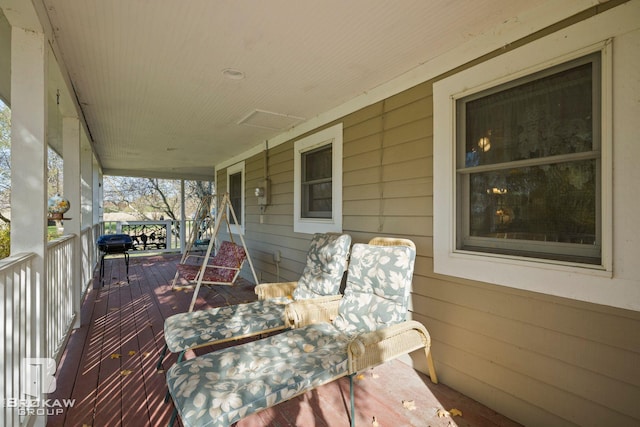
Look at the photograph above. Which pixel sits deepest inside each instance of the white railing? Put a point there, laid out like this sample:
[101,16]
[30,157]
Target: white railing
[37,316]
[59,294]
[20,322]
[166,233]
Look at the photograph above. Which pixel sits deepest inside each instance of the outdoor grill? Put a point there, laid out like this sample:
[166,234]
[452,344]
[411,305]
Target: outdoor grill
[114,244]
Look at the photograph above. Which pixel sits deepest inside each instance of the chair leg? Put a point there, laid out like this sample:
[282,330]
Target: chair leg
[352,399]
[432,368]
[168,395]
[162,354]
[174,415]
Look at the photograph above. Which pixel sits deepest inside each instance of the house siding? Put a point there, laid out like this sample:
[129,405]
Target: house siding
[539,359]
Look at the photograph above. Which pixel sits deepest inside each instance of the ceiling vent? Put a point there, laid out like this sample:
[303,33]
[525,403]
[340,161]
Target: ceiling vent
[268,120]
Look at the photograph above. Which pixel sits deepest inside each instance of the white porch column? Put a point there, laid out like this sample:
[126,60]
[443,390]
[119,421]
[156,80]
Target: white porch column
[86,209]
[183,219]
[72,192]
[29,171]
[97,193]
[86,182]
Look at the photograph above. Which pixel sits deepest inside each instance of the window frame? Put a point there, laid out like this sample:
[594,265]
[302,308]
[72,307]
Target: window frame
[537,274]
[233,170]
[545,249]
[329,136]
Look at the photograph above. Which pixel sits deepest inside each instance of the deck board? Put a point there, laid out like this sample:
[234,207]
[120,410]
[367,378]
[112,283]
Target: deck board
[126,318]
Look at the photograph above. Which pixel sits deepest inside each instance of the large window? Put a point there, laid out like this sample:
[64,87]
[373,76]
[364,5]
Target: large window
[522,167]
[528,165]
[318,182]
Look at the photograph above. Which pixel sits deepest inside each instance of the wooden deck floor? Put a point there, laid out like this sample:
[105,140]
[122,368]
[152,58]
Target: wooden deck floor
[109,365]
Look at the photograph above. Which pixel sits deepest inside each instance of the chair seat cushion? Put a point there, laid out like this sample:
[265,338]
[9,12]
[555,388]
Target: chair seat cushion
[211,274]
[183,331]
[220,388]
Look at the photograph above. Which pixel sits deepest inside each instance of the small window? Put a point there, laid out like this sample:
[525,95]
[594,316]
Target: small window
[528,166]
[235,188]
[318,182]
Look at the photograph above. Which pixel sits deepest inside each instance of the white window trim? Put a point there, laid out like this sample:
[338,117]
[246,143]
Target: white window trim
[539,275]
[231,170]
[332,135]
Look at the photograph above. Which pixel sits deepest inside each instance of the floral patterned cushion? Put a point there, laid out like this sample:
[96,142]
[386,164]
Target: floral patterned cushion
[220,388]
[326,263]
[378,286]
[189,330]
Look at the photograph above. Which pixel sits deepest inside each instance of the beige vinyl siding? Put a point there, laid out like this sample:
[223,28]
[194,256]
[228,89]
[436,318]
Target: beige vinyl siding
[539,359]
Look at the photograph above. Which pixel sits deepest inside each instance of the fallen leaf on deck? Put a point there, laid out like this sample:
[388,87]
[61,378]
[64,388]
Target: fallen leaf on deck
[455,412]
[160,371]
[360,377]
[409,404]
[132,352]
[125,372]
[374,375]
[375,422]
[146,354]
[115,355]
[86,425]
[443,413]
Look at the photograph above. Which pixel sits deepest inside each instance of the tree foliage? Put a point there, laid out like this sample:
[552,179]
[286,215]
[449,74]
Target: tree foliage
[5,160]
[151,198]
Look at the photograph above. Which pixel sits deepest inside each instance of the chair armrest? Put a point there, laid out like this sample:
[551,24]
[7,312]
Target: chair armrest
[274,290]
[317,310]
[373,348]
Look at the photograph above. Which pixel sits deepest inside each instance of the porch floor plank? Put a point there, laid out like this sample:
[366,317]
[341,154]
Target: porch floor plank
[109,364]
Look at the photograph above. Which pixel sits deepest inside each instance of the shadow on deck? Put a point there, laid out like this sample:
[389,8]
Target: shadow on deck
[109,365]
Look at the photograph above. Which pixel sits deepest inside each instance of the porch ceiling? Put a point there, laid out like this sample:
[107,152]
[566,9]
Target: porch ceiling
[148,75]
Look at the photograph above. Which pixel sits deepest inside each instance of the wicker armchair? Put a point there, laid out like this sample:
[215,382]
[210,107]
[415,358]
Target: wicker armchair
[322,277]
[327,340]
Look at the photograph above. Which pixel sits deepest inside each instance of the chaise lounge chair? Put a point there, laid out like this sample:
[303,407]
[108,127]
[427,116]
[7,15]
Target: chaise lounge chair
[368,328]
[321,279]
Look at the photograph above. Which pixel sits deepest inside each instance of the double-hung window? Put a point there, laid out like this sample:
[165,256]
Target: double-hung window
[528,165]
[522,168]
[318,182]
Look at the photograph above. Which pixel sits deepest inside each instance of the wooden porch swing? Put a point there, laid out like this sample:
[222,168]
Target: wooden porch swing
[223,268]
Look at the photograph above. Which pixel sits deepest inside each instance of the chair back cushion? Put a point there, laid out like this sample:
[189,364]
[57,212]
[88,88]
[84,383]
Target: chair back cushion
[326,263]
[378,286]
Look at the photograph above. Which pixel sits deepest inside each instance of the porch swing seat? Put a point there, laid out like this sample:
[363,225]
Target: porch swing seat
[222,269]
